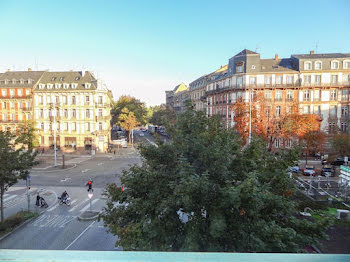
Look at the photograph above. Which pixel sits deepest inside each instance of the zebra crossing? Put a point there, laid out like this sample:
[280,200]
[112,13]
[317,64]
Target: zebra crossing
[52,221]
[77,160]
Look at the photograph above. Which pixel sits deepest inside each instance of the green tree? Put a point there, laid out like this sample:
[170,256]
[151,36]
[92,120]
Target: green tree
[203,192]
[17,156]
[133,105]
[341,144]
[162,115]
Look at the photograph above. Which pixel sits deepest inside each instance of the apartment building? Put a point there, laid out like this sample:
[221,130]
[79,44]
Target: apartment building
[16,105]
[75,105]
[318,83]
[177,98]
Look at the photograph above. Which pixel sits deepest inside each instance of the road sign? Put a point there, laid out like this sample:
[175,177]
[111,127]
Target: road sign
[28,177]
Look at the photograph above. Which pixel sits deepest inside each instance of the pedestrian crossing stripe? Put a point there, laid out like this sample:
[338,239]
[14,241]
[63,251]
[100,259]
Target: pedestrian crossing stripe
[52,221]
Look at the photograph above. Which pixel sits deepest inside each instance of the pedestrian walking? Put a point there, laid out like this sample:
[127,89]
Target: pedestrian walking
[37,200]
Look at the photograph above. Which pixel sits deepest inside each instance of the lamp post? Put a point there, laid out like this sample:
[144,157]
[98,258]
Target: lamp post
[54,112]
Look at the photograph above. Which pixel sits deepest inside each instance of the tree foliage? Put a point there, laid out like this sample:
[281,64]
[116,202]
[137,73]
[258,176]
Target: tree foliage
[133,105]
[313,142]
[17,156]
[162,115]
[341,144]
[269,125]
[203,192]
[127,120]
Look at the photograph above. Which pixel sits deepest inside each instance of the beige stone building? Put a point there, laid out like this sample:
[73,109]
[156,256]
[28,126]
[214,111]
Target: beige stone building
[75,105]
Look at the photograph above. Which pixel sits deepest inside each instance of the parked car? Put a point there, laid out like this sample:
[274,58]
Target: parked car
[327,171]
[338,162]
[309,171]
[294,169]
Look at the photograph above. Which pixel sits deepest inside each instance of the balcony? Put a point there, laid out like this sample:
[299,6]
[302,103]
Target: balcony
[103,118]
[104,105]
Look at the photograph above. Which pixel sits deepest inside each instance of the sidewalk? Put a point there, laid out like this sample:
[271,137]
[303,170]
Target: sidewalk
[16,200]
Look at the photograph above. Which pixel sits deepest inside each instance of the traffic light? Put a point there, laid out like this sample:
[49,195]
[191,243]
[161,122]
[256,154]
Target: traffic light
[89,184]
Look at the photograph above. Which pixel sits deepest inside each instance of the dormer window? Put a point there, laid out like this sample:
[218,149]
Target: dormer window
[77,78]
[21,81]
[30,81]
[318,65]
[65,86]
[61,78]
[49,86]
[57,86]
[346,64]
[87,85]
[74,85]
[307,65]
[41,86]
[239,67]
[53,79]
[14,81]
[335,64]
[6,81]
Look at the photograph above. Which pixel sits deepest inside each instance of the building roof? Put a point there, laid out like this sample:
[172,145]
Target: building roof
[279,65]
[246,52]
[21,78]
[180,88]
[69,77]
[320,56]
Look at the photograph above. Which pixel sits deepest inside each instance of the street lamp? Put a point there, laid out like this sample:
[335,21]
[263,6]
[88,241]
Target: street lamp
[54,126]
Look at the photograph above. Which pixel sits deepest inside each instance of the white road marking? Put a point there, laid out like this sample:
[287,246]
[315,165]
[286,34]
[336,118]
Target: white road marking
[88,205]
[53,221]
[64,180]
[80,235]
[75,207]
[100,164]
[52,208]
[15,188]
[9,197]
[85,170]
[5,195]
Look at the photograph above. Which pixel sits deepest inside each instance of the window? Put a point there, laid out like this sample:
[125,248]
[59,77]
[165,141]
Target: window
[40,100]
[41,113]
[53,79]
[253,66]
[268,95]
[317,110]
[100,112]
[333,95]
[20,93]
[65,100]
[100,100]
[307,79]
[267,80]
[290,80]
[28,116]
[87,113]
[345,94]
[73,100]
[87,99]
[27,92]
[346,78]
[49,99]
[87,85]
[344,127]
[335,65]
[306,109]
[66,113]
[57,99]
[65,86]
[277,143]
[252,81]
[20,105]
[318,79]
[306,95]
[346,64]
[12,105]
[331,127]
[100,126]
[278,80]
[3,92]
[74,85]
[318,65]
[290,95]
[334,79]
[74,113]
[74,126]
[42,126]
[57,86]
[66,127]
[57,112]
[278,95]
[4,117]
[239,68]
[333,111]
[239,81]
[278,110]
[288,109]
[12,93]
[317,95]
[61,78]
[345,110]
[307,65]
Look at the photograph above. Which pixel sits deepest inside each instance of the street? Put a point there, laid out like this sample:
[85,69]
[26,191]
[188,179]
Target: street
[58,228]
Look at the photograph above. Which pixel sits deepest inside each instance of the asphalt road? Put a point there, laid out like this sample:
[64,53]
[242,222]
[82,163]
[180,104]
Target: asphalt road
[58,228]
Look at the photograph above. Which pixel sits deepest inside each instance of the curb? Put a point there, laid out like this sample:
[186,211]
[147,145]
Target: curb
[58,170]
[88,218]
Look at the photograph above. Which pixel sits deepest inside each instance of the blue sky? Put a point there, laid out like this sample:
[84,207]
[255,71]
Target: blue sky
[143,48]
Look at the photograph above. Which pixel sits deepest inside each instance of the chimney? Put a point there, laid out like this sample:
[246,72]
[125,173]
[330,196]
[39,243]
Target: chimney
[29,69]
[276,56]
[312,52]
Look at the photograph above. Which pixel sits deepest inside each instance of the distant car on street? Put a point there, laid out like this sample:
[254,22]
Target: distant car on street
[294,169]
[338,162]
[142,134]
[327,171]
[309,171]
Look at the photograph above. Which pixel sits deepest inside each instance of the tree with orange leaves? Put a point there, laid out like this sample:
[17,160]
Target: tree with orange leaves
[272,123]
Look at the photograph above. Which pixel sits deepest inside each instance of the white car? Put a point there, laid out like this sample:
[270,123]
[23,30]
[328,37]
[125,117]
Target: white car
[124,144]
[142,134]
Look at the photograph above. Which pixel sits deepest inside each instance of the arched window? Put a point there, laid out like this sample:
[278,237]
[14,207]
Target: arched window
[335,64]
[307,65]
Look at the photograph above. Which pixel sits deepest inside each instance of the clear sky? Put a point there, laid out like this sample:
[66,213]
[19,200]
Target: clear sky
[143,48]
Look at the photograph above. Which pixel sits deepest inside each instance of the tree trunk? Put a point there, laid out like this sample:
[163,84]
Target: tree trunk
[2,202]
